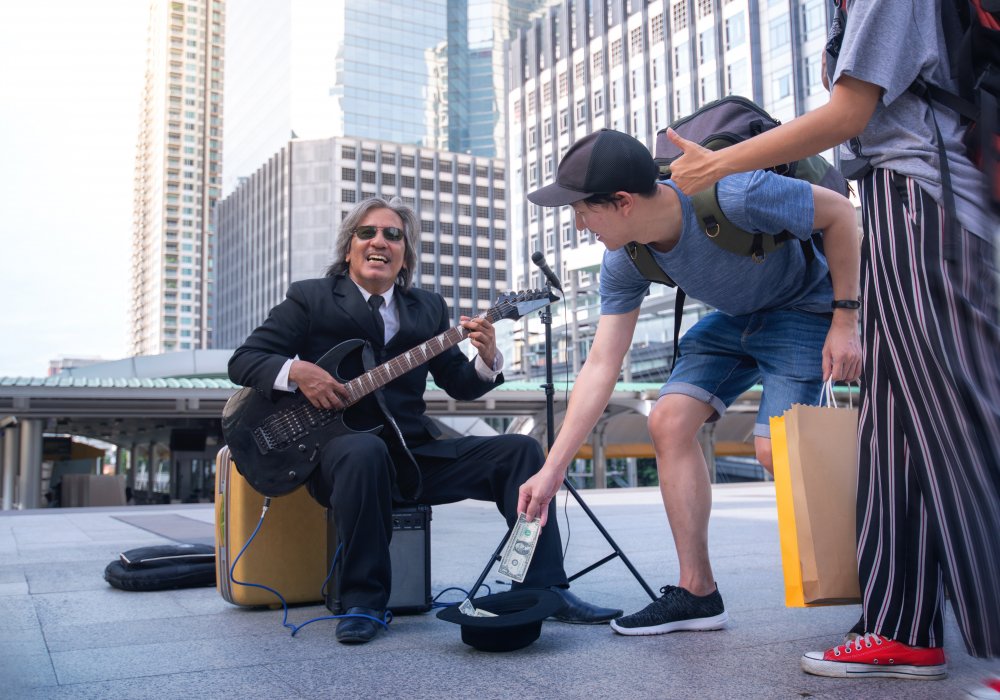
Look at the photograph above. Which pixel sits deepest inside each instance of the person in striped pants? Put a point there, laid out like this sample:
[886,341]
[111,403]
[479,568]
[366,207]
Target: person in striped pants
[929,437]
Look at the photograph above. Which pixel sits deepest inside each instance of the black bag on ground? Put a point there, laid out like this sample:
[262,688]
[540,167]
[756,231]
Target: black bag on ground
[163,567]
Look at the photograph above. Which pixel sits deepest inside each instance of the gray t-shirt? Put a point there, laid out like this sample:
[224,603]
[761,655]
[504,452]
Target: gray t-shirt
[890,43]
[757,201]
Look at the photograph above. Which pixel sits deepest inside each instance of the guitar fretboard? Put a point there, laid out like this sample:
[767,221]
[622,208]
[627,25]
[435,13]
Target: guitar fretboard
[361,386]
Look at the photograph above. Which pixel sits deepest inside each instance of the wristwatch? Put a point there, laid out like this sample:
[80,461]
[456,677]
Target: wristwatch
[846,304]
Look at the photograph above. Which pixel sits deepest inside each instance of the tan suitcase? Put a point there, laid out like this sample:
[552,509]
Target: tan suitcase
[288,554]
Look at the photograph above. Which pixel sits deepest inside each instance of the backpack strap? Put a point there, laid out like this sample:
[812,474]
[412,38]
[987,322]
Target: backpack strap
[646,265]
[725,234]
[652,272]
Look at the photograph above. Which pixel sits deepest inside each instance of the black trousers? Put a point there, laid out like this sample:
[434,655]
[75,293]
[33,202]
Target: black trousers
[929,433]
[356,479]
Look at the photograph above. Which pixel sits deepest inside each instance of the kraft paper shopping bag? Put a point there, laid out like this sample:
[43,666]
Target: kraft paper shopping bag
[816,483]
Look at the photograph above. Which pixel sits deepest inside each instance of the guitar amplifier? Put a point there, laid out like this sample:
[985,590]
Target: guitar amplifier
[409,556]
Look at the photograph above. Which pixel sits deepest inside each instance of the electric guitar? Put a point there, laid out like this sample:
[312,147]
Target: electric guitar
[276,443]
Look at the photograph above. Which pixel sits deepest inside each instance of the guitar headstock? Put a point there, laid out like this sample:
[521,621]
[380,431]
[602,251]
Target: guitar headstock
[514,305]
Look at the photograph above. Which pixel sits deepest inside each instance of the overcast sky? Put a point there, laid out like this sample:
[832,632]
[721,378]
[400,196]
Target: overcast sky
[70,85]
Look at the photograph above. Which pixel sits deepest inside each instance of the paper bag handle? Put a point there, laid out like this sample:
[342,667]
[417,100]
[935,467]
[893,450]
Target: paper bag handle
[827,397]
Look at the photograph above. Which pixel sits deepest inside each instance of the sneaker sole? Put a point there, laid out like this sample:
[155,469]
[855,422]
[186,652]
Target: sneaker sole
[700,624]
[843,669]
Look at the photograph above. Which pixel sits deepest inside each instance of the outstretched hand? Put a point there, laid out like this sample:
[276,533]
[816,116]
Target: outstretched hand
[695,169]
[536,493]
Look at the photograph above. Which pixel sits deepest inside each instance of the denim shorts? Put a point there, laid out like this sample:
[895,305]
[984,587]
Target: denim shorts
[722,356]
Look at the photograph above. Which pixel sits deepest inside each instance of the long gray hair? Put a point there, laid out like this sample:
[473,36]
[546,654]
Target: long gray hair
[410,239]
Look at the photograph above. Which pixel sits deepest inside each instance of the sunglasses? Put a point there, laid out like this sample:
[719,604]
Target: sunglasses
[389,233]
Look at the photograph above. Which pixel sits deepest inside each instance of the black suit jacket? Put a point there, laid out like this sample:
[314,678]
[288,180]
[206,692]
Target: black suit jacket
[318,314]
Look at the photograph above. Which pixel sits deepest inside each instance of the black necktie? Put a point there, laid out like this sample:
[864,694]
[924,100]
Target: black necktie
[375,301]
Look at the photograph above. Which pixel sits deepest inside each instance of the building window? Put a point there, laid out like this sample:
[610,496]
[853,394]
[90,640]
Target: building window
[598,103]
[581,111]
[616,53]
[735,31]
[813,18]
[598,62]
[656,28]
[706,45]
[348,174]
[349,196]
[680,15]
[782,84]
[682,64]
[814,77]
[682,103]
[736,77]
[563,81]
[709,88]
[779,33]
[635,41]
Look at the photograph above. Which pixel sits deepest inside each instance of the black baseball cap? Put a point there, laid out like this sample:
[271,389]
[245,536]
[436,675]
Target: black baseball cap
[606,161]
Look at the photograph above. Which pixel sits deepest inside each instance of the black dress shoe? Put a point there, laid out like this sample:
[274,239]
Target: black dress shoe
[358,630]
[580,612]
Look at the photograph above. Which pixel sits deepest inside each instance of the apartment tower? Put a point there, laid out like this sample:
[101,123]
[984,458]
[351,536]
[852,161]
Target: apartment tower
[178,177]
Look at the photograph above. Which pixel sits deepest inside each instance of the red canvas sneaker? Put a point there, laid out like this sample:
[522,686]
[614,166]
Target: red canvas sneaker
[874,656]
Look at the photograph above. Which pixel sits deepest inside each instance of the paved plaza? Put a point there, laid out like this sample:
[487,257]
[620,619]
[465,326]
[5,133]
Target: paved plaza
[65,633]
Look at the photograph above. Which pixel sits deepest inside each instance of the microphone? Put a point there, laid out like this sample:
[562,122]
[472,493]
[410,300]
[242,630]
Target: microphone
[539,260]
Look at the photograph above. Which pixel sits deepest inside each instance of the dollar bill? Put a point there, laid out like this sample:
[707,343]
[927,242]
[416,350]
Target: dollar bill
[520,548]
[467,608]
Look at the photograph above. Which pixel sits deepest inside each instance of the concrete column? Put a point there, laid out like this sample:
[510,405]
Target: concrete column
[30,490]
[11,440]
[632,471]
[133,465]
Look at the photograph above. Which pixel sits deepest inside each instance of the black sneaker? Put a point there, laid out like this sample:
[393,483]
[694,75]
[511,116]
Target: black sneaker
[675,611]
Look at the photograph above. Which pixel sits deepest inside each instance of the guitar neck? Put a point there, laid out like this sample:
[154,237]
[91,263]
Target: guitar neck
[376,378]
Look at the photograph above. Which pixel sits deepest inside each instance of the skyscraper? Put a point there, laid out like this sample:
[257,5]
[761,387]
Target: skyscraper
[178,177]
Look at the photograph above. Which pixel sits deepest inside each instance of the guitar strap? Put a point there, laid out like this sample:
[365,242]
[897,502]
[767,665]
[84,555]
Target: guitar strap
[408,479]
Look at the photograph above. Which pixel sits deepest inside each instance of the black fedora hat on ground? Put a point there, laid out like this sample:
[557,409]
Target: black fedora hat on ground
[518,620]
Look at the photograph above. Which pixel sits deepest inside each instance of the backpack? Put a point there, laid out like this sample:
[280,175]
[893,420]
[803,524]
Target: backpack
[723,123]
[717,125]
[972,38]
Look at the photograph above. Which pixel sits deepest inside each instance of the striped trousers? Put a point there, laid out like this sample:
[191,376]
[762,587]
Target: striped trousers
[929,436]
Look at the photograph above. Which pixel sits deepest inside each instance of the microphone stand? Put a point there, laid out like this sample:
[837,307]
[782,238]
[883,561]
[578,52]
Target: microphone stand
[546,318]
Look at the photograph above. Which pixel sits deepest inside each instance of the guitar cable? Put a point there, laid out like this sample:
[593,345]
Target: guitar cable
[387,618]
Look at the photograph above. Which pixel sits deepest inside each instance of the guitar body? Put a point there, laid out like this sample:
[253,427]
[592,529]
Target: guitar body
[276,444]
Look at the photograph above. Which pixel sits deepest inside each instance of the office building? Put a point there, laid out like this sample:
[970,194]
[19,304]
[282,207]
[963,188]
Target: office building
[280,224]
[635,66]
[178,175]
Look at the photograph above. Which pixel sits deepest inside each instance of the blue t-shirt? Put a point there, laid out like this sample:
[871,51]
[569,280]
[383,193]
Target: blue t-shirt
[760,202]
